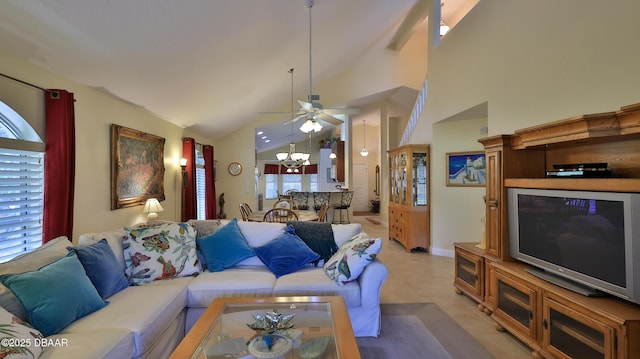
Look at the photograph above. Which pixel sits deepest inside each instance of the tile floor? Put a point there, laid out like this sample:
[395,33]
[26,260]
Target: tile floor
[421,277]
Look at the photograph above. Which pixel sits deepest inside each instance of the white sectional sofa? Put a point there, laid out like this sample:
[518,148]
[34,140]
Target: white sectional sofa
[148,321]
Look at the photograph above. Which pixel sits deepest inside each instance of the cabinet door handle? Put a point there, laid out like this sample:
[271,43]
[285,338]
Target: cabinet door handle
[545,324]
[493,203]
[530,315]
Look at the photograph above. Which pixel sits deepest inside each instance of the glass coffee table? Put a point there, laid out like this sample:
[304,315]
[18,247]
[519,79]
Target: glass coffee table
[322,329]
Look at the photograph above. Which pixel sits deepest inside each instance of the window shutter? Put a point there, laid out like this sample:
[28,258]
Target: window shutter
[21,193]
[200,193]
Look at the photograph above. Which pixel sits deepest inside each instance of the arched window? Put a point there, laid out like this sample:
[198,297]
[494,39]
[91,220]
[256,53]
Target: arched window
[21,185]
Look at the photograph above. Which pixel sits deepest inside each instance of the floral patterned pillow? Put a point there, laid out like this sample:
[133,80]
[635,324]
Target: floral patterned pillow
[18,338]
[159,252]
[351,258]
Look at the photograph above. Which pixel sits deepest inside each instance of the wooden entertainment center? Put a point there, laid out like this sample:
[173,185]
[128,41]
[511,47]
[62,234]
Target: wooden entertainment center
[552,321]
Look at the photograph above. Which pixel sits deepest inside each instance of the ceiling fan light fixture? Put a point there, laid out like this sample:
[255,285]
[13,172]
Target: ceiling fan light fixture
[307,126]
[317,127]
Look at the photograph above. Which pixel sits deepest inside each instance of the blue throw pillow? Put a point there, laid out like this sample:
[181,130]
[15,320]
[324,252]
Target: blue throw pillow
[55,295]
[286,254]
[225,248]
[102,268]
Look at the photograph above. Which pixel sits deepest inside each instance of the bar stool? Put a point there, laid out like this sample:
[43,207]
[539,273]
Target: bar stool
[319,198]
[345,203]
[301,200]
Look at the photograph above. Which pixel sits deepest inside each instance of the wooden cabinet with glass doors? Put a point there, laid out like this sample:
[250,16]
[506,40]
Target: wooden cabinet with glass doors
[409,200]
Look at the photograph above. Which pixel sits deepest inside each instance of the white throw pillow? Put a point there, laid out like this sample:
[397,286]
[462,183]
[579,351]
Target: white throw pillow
[160,252]
[351,258]
[18,338]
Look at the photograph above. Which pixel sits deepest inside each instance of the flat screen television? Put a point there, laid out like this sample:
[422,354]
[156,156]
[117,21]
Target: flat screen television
[588,242]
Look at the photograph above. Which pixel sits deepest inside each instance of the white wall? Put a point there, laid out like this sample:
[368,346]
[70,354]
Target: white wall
[95,111]
[533,62]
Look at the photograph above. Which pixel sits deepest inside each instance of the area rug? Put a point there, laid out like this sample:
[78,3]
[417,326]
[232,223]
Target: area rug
[420,331]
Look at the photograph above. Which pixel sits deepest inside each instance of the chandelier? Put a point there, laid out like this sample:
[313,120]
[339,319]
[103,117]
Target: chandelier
[293,160]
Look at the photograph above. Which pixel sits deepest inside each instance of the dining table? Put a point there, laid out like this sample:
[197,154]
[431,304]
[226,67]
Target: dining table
[303,215]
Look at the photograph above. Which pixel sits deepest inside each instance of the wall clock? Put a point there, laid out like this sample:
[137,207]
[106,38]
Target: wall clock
[235,168]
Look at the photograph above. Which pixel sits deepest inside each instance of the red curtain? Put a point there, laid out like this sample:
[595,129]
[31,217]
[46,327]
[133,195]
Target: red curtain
[189,210]
[311,169]
[270,169]
[59,166]
[210,184]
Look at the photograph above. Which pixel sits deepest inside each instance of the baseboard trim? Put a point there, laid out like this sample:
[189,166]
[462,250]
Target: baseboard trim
[442,252]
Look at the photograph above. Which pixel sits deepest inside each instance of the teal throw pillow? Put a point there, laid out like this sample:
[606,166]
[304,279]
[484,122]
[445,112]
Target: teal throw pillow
[102,268]
[55,295]
[225,247]
[286,254]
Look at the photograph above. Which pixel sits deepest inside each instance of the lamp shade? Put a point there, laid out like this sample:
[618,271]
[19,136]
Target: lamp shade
[152,207]
[307,126]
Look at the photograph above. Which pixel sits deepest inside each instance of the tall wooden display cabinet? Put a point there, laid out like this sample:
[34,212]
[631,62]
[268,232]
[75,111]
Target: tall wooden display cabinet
[409,197]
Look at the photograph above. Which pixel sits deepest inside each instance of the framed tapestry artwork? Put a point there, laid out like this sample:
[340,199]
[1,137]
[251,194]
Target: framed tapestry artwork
[466,169]
[137,167]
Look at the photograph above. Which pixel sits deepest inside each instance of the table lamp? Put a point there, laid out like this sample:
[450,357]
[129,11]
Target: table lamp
[152,207]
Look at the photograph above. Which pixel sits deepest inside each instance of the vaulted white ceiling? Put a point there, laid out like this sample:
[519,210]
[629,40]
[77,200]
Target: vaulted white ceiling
[212,64]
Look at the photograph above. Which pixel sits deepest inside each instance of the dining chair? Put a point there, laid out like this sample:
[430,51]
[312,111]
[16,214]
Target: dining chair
[283,203]
[322,213]
[247,207]
[280,215]
[345,203]
[319,198]
[243,212]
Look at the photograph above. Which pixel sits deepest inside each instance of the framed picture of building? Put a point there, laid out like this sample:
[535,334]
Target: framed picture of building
[137,167]
[466,169]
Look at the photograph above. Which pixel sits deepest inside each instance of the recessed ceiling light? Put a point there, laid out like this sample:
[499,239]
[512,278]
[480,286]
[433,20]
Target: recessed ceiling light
[267,141]
[259,133]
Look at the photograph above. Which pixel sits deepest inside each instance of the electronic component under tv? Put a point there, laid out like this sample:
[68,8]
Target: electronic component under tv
[588,242]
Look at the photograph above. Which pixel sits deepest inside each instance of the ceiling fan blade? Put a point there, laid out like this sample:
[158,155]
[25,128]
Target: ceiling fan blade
[306,106]
[275,113]
[329,119]
[342,111]
[295,119]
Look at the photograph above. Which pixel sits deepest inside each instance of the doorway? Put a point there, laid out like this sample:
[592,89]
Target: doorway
[360,202]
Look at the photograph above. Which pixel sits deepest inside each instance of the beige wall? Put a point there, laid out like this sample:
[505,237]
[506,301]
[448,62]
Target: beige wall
[95,111]
[532,62]
[455,211]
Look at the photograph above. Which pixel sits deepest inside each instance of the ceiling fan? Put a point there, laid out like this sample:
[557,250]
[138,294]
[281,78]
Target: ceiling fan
[312,111]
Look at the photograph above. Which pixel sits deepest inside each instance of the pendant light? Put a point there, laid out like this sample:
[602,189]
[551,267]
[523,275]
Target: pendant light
[364,152]
[443,27]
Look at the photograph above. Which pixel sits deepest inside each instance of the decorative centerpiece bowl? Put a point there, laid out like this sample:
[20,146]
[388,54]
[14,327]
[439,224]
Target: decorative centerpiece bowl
[272,346]
[268,343]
